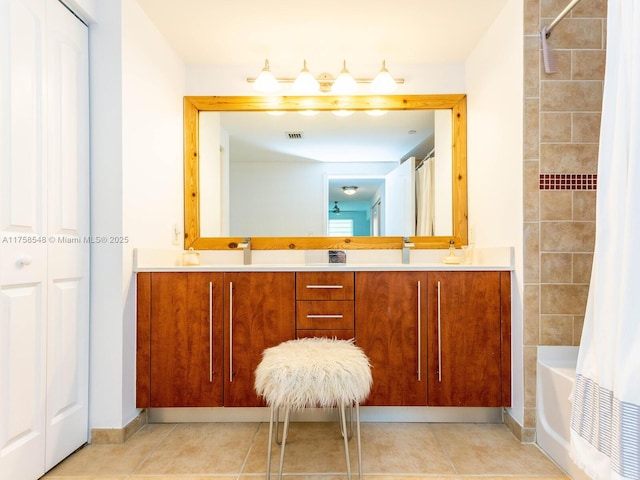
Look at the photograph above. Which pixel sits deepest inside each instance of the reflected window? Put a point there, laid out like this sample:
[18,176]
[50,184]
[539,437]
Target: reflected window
[340,228]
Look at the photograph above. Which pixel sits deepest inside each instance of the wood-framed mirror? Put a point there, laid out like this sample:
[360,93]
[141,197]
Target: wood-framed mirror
[194,105]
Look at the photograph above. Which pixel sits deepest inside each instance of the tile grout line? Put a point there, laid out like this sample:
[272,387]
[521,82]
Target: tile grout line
[246,457]
[444,451]
[152,451]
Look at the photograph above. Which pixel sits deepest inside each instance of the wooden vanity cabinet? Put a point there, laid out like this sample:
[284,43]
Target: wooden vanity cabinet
[437,338]
[324,304]
[179,357]
[259,312]
[390,315]
[468,332]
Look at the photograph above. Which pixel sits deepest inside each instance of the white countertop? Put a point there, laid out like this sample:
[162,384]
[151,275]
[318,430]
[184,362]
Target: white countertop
[168,260]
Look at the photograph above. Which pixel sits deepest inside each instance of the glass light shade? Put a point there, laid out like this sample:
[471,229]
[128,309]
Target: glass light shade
[305,83]
[266,82]
[345,83]
[384,82]
[350,190]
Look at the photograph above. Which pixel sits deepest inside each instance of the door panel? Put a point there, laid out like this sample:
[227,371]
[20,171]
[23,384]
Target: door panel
[465,344]
[68,230]
[22,239]
[390,327]
[22,387]
[186,339]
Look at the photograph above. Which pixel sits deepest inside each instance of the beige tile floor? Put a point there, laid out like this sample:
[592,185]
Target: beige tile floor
[390,451]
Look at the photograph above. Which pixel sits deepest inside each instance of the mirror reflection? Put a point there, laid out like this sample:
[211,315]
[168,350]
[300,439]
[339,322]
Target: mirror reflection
[264,175]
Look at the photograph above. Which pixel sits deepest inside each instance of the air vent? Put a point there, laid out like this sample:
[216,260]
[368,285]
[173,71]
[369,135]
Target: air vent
[294,135]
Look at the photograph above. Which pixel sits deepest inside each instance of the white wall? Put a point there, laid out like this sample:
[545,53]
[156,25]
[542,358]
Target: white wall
[494,82]
[136,100]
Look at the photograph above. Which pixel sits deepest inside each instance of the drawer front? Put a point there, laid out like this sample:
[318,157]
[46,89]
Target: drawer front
[324,315]
[324,285]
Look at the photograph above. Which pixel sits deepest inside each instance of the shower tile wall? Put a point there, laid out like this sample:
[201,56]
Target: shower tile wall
[562,124]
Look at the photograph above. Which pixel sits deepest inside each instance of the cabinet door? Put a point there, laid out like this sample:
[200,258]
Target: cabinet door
[464,339]
[390,327]
[259,313]
[186,339]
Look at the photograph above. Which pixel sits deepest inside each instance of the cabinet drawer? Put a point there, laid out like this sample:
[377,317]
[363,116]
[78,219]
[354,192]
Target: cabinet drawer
[324,315]
[324,286]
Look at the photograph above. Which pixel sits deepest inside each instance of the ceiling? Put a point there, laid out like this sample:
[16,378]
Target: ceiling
[245,32]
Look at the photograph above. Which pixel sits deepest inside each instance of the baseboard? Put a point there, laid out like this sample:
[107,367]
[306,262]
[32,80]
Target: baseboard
[525,435]
[105,436]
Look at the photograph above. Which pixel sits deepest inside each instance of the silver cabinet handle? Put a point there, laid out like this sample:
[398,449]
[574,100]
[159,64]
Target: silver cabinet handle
[439,339]
[324,316]
[325,286]
[210,331]
[230,331]
[419,335]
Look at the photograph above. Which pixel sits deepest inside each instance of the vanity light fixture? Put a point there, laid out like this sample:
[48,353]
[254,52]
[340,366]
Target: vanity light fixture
[384,82]
[350,190]
[336,209]
[345,84]
[305,83]
[266,81]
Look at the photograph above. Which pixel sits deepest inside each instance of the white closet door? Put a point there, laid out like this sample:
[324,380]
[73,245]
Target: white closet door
[22,239]
[68,231]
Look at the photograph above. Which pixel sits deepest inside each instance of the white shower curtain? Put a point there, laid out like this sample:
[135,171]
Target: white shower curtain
[605,420]
[425,198]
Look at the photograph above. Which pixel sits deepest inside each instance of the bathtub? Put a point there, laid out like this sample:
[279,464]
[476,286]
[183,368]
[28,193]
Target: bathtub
[555,378]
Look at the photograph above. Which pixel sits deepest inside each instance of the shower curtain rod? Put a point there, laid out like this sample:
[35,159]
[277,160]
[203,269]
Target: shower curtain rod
[567,9]
[432,153]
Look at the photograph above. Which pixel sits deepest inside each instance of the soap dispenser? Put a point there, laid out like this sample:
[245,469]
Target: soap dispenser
[452,258]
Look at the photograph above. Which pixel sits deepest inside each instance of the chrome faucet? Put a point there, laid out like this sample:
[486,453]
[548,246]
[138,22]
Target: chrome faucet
[246,247]
[406,253]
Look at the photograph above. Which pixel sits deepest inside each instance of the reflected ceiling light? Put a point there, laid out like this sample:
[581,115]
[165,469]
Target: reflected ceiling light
[305,83]
[349,190]
[308,113]
[342,113]
[376,113]
[266,81]
[276,113]
[345,84]
[384,82]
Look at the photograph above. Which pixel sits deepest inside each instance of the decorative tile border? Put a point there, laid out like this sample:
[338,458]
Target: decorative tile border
[568,181]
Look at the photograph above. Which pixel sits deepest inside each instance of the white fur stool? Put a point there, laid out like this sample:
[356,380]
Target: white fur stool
[313,372]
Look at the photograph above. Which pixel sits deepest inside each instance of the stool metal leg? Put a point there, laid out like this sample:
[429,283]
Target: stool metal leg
[343,429]
[285,431]
[358,440]
[278,439]
[273,415]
